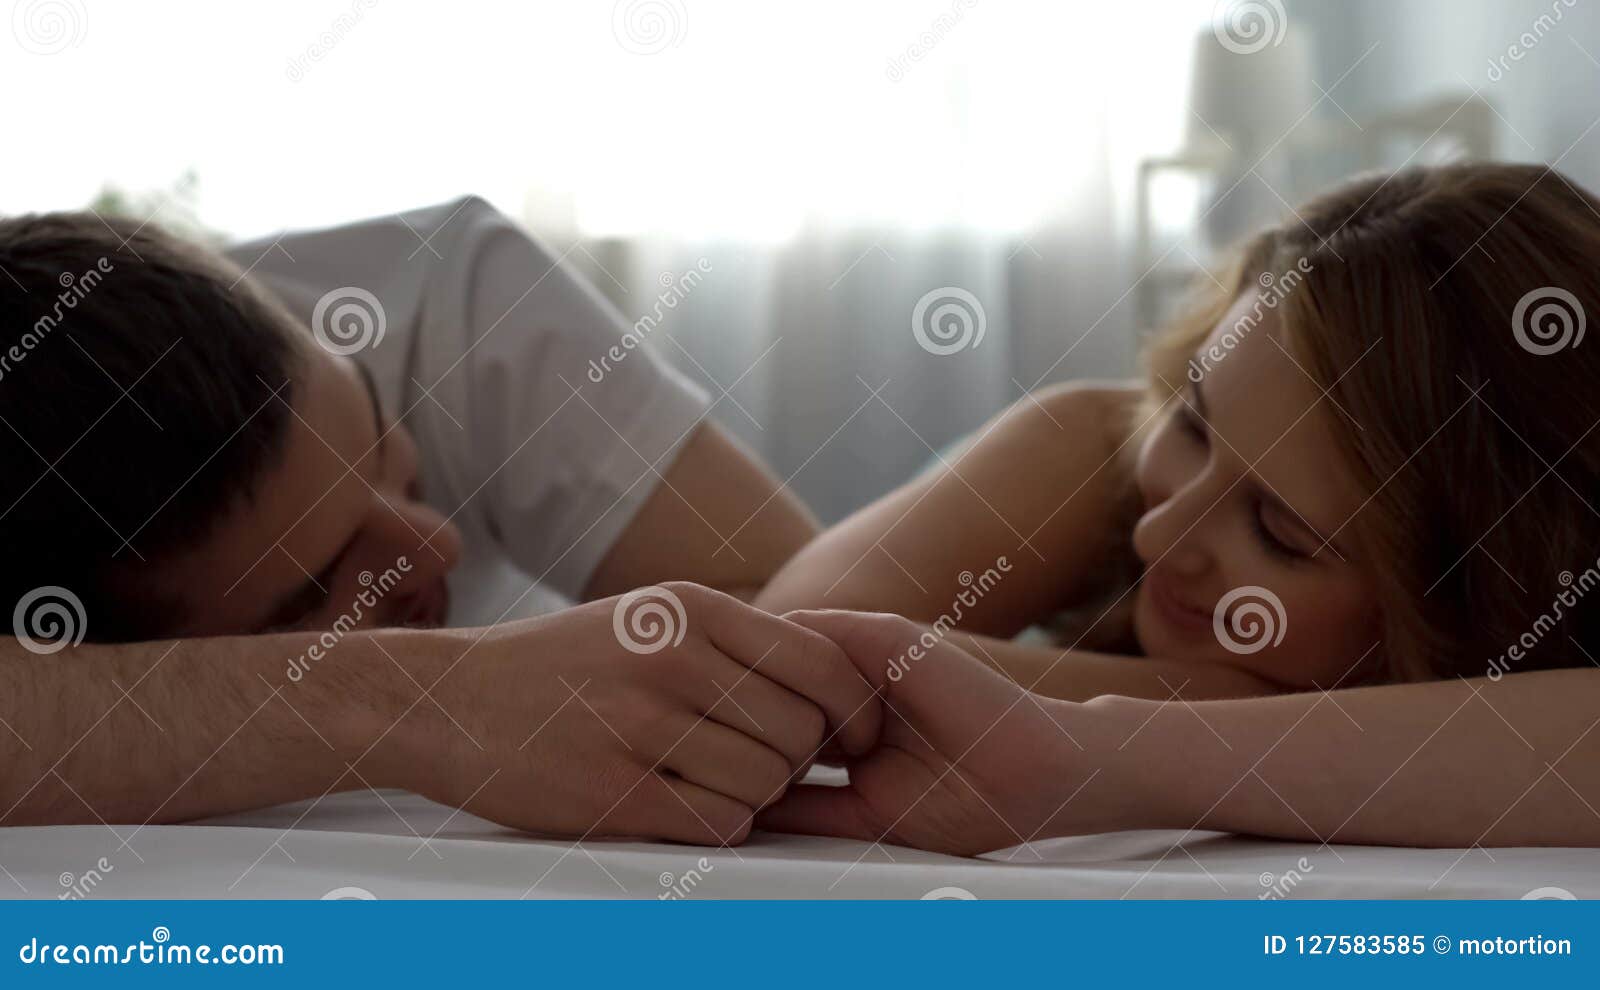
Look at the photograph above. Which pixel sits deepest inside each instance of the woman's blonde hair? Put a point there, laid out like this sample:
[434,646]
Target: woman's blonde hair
[1443,310]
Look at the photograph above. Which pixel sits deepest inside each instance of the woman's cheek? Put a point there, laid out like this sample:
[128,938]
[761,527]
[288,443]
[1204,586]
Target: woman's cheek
[1326,634]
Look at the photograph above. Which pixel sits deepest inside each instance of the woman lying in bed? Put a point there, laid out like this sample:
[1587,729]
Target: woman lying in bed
[1365,456]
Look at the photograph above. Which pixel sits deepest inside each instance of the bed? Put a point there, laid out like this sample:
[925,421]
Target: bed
[389,844]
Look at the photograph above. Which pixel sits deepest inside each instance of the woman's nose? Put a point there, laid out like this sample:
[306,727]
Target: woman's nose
[1173,532]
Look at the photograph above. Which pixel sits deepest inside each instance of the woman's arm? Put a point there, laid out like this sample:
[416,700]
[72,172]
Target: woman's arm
[1038,487]
[1079,675]
[1514,762]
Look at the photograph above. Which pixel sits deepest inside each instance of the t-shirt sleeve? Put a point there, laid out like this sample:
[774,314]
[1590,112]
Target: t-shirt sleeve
[553,424]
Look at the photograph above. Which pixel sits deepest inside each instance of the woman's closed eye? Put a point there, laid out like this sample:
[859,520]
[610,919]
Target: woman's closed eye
[1270,541]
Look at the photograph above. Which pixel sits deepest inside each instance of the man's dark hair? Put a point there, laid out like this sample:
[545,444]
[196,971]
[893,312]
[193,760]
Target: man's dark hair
[137,379]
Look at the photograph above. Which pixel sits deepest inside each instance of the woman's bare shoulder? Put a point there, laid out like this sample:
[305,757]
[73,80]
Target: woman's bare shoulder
[1101,410]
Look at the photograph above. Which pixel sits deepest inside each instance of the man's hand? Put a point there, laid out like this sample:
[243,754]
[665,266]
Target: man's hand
[593,721]
[968,762]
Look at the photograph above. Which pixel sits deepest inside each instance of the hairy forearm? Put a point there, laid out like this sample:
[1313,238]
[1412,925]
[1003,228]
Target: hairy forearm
[1447,763]
[171,731]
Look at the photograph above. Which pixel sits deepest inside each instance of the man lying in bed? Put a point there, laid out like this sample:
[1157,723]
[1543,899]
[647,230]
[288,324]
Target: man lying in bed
[237,470]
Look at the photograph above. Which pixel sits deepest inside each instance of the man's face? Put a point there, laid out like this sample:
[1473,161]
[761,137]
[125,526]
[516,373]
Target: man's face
[335,529]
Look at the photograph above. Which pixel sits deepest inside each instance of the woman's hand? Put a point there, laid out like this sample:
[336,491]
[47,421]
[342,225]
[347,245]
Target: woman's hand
[967,761]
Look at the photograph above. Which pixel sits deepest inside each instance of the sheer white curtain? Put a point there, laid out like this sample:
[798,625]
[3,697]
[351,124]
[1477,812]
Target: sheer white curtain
[823,165]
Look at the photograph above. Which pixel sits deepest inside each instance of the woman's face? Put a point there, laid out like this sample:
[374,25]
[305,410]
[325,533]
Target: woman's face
[1244,535]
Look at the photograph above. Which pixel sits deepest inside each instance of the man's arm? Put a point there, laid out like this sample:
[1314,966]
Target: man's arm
[205,727]
[717,518]
[548,725]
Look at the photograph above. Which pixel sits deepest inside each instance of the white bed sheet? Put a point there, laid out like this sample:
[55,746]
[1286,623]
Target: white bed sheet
[397,845]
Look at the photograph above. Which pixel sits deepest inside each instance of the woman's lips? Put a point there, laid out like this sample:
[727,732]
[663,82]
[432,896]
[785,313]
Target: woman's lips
[1174,610]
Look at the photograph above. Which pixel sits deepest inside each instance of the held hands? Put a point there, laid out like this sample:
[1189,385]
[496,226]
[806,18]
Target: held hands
[587,723]
[592,722]
[966,762]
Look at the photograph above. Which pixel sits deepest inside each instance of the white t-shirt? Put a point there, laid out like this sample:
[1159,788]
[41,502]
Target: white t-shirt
[486,352]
